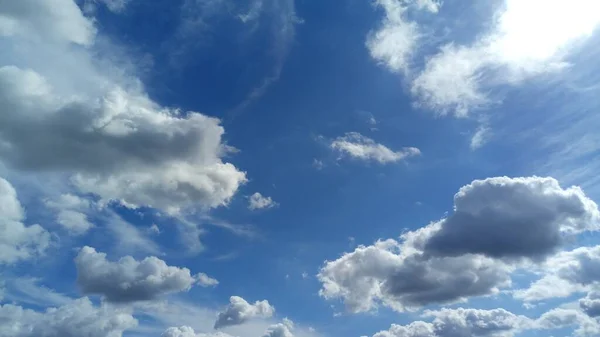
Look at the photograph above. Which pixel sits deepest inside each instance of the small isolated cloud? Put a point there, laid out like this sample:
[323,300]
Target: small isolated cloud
[115,6]
[128,280]
[75,319]
[258,201]
[357,146]
[239,311]
[18,242]
[497,223]
[283,329]
[480,137]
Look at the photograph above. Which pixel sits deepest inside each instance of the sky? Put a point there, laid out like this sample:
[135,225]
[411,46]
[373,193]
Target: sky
[299,168]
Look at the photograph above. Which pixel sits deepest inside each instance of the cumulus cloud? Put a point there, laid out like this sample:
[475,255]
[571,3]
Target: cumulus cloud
[99,126]
[496,223]
[258,201]
[128,280]
[560,318]
[283,329]
[18,242]
[382,274]
[357,146]
[395,41]
[71,213]
[239,311]
[186,331]
[206,281]
[564,274]
[591,304]
[513,218]
[524,41]
[462,323]
[59,21]
[75,319]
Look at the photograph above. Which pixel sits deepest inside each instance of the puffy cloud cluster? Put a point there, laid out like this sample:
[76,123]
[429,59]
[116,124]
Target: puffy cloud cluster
[240,311]
[497,224]
[99,126]
[462,323]
[186,331]
[75,319]
[18,242]
[128,280]
[357,146]
[283,329]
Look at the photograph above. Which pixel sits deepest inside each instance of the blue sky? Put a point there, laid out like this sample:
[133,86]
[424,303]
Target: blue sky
[280,168]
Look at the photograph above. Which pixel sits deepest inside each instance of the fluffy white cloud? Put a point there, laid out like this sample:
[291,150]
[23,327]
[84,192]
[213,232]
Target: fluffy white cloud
[18,242]
[381,273]
[513,218]
[258,201]
[128,280]
[98,125]
[462,323]
[186,331]
[360,147]
[71,213]
[280,329]
[395,41]
[569,318]
[59,21]
[239,311]
[528,38]
[496,223]
[75,319]
[206,281]
[566,273]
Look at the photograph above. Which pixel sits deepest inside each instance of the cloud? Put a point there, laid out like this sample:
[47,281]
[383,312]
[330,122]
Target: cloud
[186,331]
[525,41]
[567,318]
[71,213]
[59,21]
[18,242]
[129,238]
[513,218]
[496,224]
[382,274]
[94,122]
[29,291]
[206,281]
[395,41]
[591,304]
[461,323]
[258,201]
[239,311]
[564,274]
[360,147]
[128,280]
[75,319]
[115,6]
[280,329]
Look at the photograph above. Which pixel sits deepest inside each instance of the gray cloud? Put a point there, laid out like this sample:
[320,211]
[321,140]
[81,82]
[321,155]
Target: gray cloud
[239,311]
[513,218]
[591,304]
[18,242]
[462,323]
[128,280]
[75,319]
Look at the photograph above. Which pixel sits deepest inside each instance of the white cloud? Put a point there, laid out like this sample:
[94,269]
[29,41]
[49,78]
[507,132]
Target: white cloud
[591,304]
[71,213]
[186,331]
[206,281]
[75,319]
[395,41]
[497,223]
[480,137]
[568,318]
[115,6]
[258,201]
[59,21]
[94,122]
[280,329]
[128,280]
[18,242]
[360,147]
[462,323]
[129,238]
[29,291]
[564,274]
[239,311]
[528,38]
